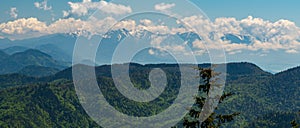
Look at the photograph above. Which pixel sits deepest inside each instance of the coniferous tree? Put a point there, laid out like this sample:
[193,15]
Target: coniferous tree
[213,120]
[294,123]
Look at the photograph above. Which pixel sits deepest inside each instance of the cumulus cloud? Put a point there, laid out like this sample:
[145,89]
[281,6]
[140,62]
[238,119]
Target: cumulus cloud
[22,26]
[263,35]
[138,28]
[146,22]
[13,12]
[164,6]
[30,26]
[43,5]
[81,27]
[82,8]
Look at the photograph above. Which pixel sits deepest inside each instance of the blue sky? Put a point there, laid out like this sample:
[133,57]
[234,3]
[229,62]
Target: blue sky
[273,24]
[268,9]
[27,9]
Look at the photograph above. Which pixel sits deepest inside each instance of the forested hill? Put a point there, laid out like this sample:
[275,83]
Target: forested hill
[263,99]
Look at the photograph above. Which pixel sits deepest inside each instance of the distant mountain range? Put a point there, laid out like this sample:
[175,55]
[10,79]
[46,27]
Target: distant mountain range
[21,61]
[61,46]
[14,49]
[58,46]
[38,71]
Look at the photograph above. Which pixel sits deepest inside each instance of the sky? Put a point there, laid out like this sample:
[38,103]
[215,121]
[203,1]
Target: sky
[272,10]
[268,9]
[273,24]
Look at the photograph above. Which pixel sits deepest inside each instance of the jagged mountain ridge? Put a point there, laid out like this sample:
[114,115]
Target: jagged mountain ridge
[61,46]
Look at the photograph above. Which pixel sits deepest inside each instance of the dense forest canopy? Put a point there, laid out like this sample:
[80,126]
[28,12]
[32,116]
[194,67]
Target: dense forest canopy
[263,99]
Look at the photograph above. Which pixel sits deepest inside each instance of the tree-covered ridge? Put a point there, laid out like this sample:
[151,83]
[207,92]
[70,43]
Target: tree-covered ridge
[3,55]
[262,98]
[16,62]
[14,49]
[42,105]
[38,71]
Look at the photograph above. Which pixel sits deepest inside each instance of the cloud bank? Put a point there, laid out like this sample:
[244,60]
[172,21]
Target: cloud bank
[263,35]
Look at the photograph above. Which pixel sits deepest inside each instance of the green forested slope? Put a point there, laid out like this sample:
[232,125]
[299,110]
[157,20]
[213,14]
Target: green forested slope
[263,99]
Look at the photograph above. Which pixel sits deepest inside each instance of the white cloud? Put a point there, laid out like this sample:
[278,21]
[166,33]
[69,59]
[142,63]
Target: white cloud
[146,22]
[151,52]
[42,5]
[265,35]
[158,29]
[86,28]
[32,26]
[234,52]
[13,12]
[65,13]
[70,25]
[164,6]
[82,8]
[157,40]
[127,24]
[22,26]
[292,51]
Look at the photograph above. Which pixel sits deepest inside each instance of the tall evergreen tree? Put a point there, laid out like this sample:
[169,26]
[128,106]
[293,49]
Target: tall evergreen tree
[294,123]
[214,120]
